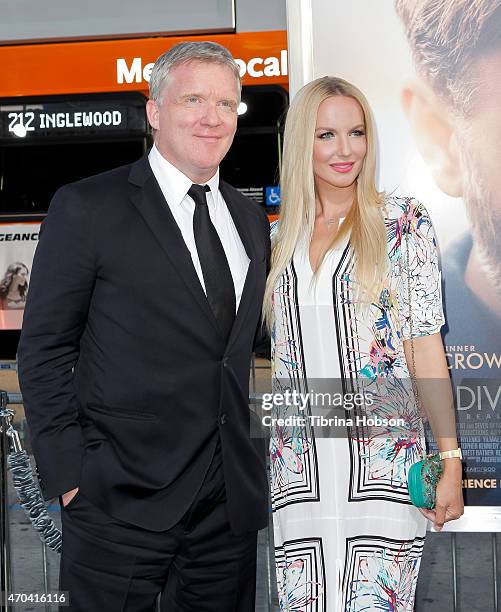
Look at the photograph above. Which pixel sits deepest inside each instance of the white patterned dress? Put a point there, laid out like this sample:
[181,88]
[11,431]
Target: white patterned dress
[347,538]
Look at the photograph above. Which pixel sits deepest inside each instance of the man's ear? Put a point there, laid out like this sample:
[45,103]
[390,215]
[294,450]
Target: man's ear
[434,134]
[152,112]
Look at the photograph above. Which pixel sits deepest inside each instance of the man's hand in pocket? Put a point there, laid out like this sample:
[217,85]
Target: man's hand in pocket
[68,496]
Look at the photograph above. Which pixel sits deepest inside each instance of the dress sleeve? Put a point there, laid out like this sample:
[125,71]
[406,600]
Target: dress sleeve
[420,274]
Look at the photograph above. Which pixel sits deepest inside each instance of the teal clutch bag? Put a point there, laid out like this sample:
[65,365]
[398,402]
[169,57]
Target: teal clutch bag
[422,481]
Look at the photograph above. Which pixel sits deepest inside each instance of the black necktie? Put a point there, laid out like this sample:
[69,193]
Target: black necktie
[218,281]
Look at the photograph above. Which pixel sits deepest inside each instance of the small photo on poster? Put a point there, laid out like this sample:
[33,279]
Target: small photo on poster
[18,242]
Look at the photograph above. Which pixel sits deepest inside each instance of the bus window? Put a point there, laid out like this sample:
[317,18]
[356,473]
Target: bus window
[31,174]
[252,163]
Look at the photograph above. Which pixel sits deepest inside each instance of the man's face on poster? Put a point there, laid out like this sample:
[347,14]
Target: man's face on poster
[479,152]
[462,146]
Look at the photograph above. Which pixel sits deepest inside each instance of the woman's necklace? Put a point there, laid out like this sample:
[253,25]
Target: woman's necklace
[333,221]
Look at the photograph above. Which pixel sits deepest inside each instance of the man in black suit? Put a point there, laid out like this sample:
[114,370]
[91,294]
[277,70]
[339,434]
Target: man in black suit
[134,358]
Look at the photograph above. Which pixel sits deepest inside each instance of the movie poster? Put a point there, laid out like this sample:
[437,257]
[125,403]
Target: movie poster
[17,247]
[432,79]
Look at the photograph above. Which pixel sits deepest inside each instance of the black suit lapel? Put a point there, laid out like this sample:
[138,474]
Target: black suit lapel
[150,202]
[242,223]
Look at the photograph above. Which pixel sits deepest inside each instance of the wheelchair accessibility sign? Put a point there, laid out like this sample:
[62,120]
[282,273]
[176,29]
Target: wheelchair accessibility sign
[273,195]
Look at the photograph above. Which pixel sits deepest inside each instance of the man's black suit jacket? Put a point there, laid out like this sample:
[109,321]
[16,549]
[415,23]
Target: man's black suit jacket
[126,379]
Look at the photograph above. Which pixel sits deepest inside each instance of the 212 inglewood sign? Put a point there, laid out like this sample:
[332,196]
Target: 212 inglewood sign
[82,115]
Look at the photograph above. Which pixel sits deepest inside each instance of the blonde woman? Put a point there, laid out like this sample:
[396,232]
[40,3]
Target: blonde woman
[354,276]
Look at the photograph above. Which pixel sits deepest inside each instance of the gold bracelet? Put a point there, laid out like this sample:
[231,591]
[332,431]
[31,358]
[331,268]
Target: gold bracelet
[451,454]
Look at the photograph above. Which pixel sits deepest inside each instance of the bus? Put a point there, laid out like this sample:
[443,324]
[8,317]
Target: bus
[70,109]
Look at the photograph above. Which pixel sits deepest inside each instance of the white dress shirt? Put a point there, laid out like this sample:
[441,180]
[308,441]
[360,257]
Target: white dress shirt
[175,185]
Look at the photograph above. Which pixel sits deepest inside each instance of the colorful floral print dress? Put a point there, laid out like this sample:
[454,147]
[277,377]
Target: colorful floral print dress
[346,536]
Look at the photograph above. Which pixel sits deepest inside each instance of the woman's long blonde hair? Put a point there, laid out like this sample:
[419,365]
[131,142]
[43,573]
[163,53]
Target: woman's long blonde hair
[298,211]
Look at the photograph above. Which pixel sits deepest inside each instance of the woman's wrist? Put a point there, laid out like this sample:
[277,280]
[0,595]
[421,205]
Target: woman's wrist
[452,465]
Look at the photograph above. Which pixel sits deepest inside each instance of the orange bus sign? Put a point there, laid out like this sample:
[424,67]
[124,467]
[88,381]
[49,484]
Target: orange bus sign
[125,65]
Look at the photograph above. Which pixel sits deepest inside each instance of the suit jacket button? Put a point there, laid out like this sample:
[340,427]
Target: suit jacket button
[223,419]
[225,362]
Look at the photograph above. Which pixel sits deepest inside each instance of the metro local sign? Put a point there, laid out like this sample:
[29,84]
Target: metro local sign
[133,71]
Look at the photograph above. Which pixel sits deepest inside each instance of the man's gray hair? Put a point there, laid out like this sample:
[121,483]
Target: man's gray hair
[183,53]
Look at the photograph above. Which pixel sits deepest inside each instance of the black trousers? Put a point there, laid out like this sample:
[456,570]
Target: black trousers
[198,565]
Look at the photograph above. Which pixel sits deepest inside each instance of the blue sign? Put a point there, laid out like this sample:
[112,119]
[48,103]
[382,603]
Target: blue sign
[273,195]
